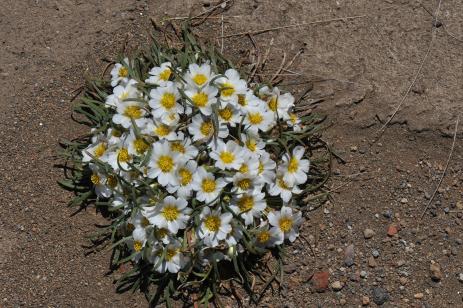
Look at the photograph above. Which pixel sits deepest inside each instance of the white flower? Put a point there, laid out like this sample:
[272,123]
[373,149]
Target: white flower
[123,93]
[245,101]
[227,155]
[182,145]
[184,177]
[96,150]
[173,260]
[294,167]
[230,86]
[198,75]
[136,146]
[172,214]
[253,143]
[139,221]
[228,114]
[160,75]
[203,98]
[119,73]
[203,128]
[266,237]
[118,157]
[163,163]
[104,186]
[128,111]
[245,182]
[164,103]
[294,121]
[138,241]
[249,205]
[258,118]
[207,187]
[215,226]
[276,102]
[285,224]
[284,189]
[160,130]
[266,169]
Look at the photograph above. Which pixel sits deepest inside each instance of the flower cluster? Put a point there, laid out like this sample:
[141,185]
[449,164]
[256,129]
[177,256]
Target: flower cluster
[187,157]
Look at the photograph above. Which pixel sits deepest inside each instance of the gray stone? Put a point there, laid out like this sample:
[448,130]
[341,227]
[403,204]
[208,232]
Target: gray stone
[380,296]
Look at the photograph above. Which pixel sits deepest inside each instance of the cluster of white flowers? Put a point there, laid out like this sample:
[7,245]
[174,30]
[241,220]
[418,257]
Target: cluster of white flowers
[192,142]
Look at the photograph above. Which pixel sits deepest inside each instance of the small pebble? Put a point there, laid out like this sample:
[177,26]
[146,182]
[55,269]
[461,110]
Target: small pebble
[372,262]
[349,255]
[460,277]
[419,295]
[436,272]
[353,148]
[365,300]
[388,214]
[392,230]
[368,233]
[380,296]
[375,253]
[363,274]
[404,200]
[336,286]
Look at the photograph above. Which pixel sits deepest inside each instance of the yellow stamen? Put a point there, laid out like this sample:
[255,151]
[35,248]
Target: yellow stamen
[137,246]
[177,146]
[165,163]
[170,253]
[244,184]
[206,128]
[200,99]
[140,146]
[242,100]
[227,89]
[273,104]
[261,167]
[133,112]
[95,179]
[111,181]
[227,157]
[293,118]
[199,79]
[263,237]
[226,113]
[255,118]
[246,203]
[123,71]
[286,224]
[162,232]
[212,223]
[123,155]
[168,100]
[244,168]
[282,183]
[145,222]
[100,150]
[162,130]
[165,74]
[170,212]
[185,176]
[293,165]
[251,145]
[208,185]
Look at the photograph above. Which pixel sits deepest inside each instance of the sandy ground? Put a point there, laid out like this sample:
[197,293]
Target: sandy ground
[360,67]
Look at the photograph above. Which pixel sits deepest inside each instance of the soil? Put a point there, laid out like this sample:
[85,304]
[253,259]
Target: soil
[360,68]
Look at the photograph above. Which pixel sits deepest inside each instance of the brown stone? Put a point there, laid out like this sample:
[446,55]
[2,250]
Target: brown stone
[320,281]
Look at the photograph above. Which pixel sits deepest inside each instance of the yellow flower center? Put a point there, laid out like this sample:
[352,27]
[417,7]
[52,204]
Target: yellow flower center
[227,157]
[263,236]
[170,253]
[199,79]
[251,145]
[168,100]
[140,146]
[124,95]
[165,163]
[208,185]
[95,179]
[246,203]
[293,165]
[99,150]
[162,232]
[165,74]
[170,212]
[260,169]
[200,99]
[255,118]
[227,89]
[177,146]
[273,104]
[111,181]
[244,168]
[123,155]
[293,118]
[137,246]
[133,112]
[226,113]
[123,71]
[212,223]
[162,130]
[185,176]
[244,184]
[282,183]
[206,128]
[242,100]
[130,227]
[286,224]
[145,222]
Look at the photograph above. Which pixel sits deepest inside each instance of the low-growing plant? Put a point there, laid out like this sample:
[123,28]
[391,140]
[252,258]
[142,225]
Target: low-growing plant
[199,172]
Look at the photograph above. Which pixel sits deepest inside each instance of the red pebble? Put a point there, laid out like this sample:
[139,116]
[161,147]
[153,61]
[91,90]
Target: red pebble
[392,230]
[320,281]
